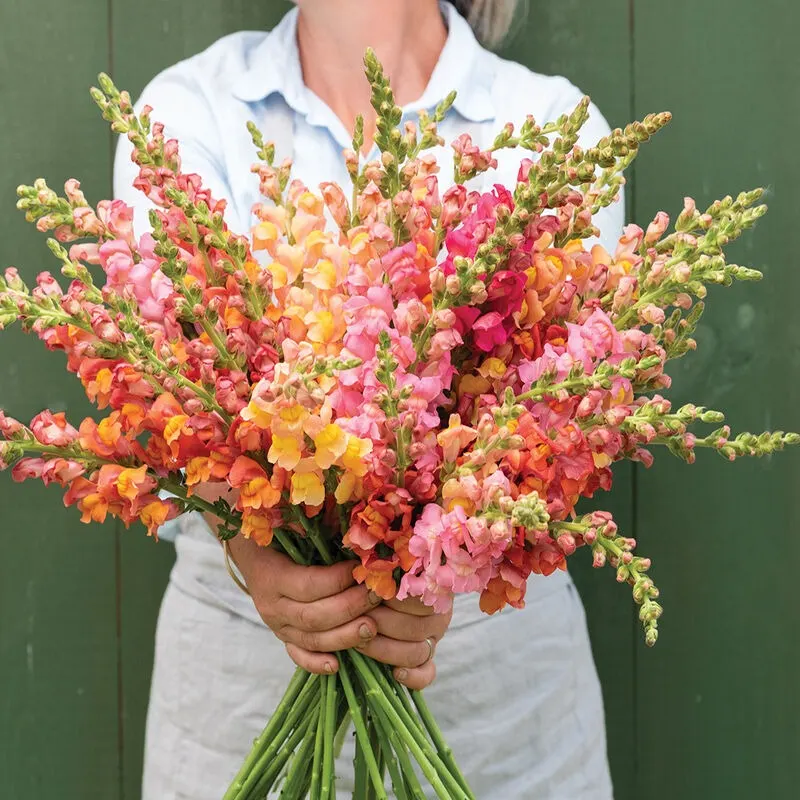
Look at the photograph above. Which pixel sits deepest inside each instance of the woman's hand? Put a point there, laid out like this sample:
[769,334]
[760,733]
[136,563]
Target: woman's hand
[408,631]
[316,611]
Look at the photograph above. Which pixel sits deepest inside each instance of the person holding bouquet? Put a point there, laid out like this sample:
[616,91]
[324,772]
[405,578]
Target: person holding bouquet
[517,694]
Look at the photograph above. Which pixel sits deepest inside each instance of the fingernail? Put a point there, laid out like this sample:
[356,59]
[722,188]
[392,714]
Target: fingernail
[373,598]
[328,668]
[401,674]
[365,632]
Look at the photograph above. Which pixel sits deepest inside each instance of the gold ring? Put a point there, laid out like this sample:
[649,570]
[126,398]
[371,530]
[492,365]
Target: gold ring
[430,642]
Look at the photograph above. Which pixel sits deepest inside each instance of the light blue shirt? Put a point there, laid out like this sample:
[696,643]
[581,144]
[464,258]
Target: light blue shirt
[206,101]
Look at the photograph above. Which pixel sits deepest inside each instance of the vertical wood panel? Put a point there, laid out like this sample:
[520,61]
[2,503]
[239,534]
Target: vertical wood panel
[718,699]
[717,707]
[175,30]
[589,43]
[58,656]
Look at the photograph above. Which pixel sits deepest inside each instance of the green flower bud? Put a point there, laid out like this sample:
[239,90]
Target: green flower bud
[58,250]
[530,512]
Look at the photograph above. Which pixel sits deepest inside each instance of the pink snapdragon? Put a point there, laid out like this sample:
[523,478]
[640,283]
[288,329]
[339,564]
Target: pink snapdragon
[488,331]
[53,429]
[593,340]
[143,279]
[367,316]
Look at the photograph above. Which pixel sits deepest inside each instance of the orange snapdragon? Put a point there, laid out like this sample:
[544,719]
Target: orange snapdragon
[255,488]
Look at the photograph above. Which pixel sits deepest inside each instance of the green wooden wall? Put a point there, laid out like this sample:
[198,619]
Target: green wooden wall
[713,711]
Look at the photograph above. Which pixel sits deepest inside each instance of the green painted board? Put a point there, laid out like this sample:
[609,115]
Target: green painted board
[563,38]
[59,717]
[174,31]
[713,710]
[717,699]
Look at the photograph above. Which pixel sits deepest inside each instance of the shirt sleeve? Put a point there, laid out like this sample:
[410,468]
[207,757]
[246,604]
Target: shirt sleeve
[610,220]
[518,92]
[179,104]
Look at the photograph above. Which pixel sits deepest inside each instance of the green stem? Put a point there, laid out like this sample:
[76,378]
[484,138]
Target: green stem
[272,773]
[128,351]
[401,438]
[571,527]
[289,546]
[540,392]
[429,762]
[361,783]
[391,745]
[395,696]
[195,502]
[375,744]
[401,694]
[226,359]
[411,783]
[313,533]
[195,235]
[307,698]
[341,732]
[69,452]
[667,440]
[255,302]
[316,768]
[206,396]
[444,750]
[423,337]
[329,719]
[298,778]
[298,681]
[361,729]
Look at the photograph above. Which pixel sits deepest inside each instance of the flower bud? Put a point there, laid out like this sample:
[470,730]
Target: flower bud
[652,314]
[453,205]
[437,280]
[350,159]
[656,229]
[485,426]
[444,318]
[567,544]
[373,172]
[13,280]
[506,504]
[10,427]
[402,202]
[478,293]
[452,284]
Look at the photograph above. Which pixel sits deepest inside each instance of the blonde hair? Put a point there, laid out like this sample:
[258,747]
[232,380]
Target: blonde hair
[490,19]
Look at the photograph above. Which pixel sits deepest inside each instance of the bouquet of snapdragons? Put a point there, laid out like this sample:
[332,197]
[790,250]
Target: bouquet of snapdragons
[422,379]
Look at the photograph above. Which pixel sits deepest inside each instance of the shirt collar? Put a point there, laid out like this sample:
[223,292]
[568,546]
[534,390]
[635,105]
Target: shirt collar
[463,65]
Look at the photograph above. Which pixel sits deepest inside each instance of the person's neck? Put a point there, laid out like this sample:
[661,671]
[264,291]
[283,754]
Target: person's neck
[332,37]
